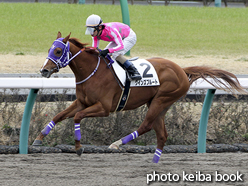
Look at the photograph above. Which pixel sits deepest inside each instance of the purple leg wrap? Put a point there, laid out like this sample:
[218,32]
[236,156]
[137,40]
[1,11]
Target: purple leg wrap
[47,129]
[157,155]
[129,137]
[77,132]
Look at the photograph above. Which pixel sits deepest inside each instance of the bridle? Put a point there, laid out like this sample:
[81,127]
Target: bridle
[66,58]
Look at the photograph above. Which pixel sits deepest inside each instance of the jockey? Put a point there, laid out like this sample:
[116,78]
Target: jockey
[121,37]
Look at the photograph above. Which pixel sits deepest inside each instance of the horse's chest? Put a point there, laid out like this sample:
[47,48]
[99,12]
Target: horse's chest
[87,100]
[88,95]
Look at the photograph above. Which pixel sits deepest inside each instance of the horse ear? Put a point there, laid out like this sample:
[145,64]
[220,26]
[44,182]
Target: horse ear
[59,35]
[67,38]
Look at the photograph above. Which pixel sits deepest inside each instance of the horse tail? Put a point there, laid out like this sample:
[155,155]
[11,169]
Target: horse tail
[230,83]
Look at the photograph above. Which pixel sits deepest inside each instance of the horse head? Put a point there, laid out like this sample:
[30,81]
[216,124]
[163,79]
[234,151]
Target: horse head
[58,56]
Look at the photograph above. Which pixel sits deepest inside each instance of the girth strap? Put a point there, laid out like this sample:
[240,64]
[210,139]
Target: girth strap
[124,96]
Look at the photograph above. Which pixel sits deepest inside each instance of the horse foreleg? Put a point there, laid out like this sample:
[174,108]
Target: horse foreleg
[67,113]
[96,110]
[38,140]
[43,133]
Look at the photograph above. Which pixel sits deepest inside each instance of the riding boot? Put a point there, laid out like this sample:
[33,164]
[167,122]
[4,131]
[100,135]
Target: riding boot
[132,71]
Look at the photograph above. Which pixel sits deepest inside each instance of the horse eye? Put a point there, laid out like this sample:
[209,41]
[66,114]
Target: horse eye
[57,52]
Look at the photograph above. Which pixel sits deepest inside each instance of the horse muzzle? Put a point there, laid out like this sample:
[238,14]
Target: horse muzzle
[47,73]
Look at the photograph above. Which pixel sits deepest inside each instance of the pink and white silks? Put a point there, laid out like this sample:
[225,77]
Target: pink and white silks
[121,37]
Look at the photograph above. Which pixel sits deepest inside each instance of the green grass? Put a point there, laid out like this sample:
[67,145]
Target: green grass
[30,28]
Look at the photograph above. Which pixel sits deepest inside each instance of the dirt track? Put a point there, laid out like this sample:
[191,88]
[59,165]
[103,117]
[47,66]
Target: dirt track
[119,169]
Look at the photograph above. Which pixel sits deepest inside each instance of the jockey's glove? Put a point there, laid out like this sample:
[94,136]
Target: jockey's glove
[103,53]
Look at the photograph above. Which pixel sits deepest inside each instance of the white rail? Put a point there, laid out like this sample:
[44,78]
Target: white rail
[60,83]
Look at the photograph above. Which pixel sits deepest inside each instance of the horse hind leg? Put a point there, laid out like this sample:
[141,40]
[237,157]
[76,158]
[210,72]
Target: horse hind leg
[159,126]
[154,119]
[152,114]
[161,133]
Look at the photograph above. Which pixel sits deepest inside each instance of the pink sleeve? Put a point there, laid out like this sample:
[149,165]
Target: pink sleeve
[117,39]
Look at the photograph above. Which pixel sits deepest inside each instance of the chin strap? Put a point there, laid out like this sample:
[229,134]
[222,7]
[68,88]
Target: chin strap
[98,30]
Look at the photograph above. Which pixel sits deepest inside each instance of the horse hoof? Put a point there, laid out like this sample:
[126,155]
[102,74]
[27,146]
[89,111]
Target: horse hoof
[79,151]
[37,143]
[113,146]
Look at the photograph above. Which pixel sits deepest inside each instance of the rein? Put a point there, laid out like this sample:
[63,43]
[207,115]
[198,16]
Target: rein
[109,65]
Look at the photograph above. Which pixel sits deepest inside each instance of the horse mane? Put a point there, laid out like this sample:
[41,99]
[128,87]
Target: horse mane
[81,45]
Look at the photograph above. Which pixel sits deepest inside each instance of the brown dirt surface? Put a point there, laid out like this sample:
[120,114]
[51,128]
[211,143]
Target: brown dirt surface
[32,63]
[121,169]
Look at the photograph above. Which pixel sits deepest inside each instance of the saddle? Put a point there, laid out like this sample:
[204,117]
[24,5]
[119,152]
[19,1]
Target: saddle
[146,70]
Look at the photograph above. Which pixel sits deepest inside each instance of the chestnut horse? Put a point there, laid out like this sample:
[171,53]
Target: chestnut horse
[98,93]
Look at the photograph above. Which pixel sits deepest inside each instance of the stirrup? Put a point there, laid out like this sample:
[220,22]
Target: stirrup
[136,77]
[128,76]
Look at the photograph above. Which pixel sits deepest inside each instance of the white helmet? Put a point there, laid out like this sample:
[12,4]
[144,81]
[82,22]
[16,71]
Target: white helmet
[92,22]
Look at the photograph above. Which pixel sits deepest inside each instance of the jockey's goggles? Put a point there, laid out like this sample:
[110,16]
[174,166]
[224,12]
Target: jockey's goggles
[90,30]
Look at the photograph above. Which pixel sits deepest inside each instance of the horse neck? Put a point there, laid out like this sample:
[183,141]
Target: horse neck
[82,65]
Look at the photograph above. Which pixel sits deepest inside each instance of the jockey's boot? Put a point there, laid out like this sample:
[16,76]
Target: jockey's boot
[132,71]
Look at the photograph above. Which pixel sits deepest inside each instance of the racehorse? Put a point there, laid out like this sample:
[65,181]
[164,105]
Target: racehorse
[98,92]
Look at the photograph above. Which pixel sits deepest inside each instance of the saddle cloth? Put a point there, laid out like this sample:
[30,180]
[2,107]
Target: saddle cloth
[146,70]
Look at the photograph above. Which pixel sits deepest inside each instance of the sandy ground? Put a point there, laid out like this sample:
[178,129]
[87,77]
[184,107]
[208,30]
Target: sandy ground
[32,63]
[123,169]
